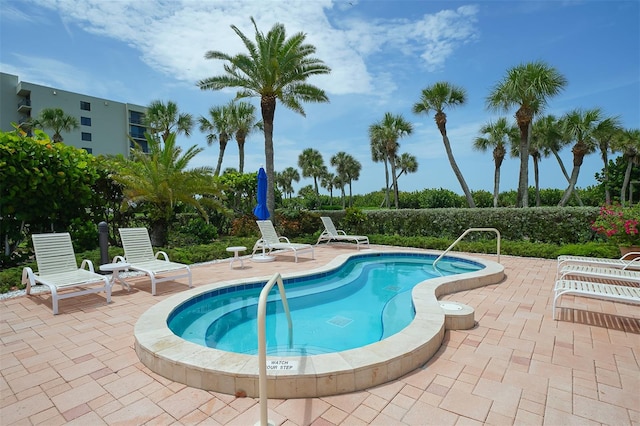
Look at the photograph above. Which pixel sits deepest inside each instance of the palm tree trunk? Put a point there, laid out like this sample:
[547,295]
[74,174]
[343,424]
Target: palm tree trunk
[268,107]
[566,176]
[625,182]
[395,187]
[579,151]
[456,170]
[496,186]
[607,191]
[241,155]
[223,146]
[536,178]
[523,118]
[350,194]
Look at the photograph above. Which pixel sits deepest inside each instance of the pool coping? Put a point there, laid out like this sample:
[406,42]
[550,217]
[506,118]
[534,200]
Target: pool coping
[179,360]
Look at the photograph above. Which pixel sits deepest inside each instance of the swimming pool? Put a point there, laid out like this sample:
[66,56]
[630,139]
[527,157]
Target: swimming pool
[365,300]
[297,376]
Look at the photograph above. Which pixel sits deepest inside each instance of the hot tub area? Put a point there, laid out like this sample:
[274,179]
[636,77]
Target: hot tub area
[310,375]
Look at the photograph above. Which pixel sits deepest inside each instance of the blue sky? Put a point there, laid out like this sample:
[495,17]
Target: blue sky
[382,54]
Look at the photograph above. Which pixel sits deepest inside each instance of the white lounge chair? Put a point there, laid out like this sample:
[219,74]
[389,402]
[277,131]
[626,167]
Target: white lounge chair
[600,291]
[139,253]
[270,241]
[330,233]
[58,270]
[598,272]
[625,262]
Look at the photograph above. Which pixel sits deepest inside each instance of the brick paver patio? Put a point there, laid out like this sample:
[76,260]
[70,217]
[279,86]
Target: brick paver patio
[517,366]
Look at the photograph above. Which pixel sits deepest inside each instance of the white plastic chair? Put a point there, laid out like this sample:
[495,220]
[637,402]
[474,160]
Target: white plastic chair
[271,241]
[330,233]
[139,253]
[58,270]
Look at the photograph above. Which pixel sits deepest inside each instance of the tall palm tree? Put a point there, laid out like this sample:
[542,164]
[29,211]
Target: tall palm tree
[348,169]
[161,181]
[276,67]
[56,120]
[220,128]
[388,131]
[243,120]
[627,141]
[163,119]
[436,98]
[604,134]
[378,154]
[285,180]
[498,136]
[527,86]
[312,165]
[579,126]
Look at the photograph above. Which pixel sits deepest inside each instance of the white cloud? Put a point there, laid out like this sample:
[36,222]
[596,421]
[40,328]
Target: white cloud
[173,37]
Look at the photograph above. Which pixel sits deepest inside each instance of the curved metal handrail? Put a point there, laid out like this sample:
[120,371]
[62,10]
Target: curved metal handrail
[262,340]
[464,234]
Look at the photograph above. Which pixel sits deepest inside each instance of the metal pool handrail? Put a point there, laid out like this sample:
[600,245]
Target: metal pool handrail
[262,340]
[464,234]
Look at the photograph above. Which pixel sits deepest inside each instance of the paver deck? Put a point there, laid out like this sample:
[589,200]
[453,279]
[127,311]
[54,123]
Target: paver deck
[517,366]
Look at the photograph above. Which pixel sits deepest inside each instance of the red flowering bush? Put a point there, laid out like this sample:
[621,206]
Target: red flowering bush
[619,224]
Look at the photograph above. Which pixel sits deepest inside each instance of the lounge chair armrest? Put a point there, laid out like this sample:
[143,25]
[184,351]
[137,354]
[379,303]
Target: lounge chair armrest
[285,239]
[87,264]
[163,254]
[630,256]
[28,278]
[259,244]
[117,259]
[341,232]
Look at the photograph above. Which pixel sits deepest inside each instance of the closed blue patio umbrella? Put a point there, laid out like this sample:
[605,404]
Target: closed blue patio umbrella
[261,211]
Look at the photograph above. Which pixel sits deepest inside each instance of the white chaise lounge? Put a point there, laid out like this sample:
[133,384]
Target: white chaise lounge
[138,252]
[600,273]
[625,262]
[330,233]
[58,270]
[598,290]
[271,241]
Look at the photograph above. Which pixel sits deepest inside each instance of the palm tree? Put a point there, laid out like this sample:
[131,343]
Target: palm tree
[387,132]
[627,141]
[276,67]
[57,120]
[285,180]
[603,134]
[498,136]
[164,119]
[579,126]
[312,165]
[406,163]
[348,169]
[436,98]
[378,154]
[547,136]
[220,128]
[243,120]
[161,181]
[527,86]
[328,181]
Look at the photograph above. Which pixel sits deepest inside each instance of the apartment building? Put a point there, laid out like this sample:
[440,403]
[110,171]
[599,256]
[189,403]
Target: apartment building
[106,126]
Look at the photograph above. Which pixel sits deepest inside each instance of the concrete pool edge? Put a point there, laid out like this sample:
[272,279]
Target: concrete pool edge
[317,375]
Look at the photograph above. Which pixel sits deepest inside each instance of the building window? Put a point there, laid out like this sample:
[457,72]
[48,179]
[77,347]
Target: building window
[85,121]
[136,117]
[85,106]
[86,136]
[89,150]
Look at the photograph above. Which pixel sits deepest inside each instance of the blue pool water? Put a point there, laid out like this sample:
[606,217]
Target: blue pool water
[363,301]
